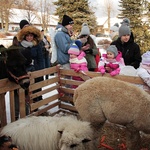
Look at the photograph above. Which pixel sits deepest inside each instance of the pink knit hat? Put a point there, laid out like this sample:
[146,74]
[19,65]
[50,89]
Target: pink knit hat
[74,49]
[146,58]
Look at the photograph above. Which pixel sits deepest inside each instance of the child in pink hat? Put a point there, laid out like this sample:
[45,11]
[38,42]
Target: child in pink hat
[144,70]
[77,60]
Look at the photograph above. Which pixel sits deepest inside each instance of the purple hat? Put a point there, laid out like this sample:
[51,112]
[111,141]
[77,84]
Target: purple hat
[74,49]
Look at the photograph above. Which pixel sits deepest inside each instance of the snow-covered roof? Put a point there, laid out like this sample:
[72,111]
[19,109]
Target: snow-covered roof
[19,14]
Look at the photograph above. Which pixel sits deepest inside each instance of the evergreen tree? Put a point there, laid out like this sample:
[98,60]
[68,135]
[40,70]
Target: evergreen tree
[135,11]
[78,10]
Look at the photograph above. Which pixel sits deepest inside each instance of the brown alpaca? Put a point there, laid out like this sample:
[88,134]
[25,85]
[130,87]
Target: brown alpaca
[102,98]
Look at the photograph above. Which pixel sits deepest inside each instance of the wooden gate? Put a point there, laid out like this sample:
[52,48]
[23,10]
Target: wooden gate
[56,95]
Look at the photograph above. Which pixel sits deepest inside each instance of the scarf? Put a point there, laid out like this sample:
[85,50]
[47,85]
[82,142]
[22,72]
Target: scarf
[26,44]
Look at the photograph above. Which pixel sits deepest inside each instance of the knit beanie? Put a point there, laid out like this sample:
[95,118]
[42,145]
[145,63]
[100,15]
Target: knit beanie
[124,30]
[67,20]
[115,27]
[23,23]
[113,49]
[74,49]
[146,58]
[126,21]
[85,29]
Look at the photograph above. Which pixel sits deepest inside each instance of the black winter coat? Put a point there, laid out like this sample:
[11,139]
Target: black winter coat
[27,54]
[130,52]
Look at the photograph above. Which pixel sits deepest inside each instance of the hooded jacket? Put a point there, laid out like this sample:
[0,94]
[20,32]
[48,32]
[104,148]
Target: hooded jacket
[32,51]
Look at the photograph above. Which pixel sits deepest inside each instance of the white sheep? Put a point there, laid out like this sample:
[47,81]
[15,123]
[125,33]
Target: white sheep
[102,98]
[50,133]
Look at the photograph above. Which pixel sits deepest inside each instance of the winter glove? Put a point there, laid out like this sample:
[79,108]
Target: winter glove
[86,47]
[101,69]
[115,72]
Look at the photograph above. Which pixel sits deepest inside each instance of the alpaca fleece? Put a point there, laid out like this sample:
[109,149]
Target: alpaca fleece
[102,98]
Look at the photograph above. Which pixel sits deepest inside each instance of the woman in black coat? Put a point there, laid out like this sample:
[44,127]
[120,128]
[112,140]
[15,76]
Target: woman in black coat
[130,50]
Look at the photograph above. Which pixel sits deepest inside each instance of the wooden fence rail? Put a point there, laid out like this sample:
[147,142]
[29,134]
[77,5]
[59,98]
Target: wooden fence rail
[56,95]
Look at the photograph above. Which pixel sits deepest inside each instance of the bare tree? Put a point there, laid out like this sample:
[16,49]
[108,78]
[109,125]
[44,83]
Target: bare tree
[45,11]
[5,7]
[30,10]
[109,9]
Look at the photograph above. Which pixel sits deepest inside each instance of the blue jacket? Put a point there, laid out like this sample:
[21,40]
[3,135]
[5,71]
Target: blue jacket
[63,42]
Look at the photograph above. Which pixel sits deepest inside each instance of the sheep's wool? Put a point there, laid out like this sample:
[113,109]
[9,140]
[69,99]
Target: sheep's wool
[50,133]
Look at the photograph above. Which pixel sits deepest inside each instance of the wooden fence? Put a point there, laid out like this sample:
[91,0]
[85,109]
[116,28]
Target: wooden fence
[56,91]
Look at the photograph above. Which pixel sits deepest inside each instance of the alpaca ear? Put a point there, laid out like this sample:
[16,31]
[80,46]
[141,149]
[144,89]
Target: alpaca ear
[86,140]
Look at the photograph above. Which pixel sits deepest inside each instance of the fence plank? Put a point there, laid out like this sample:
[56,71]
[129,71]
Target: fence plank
[45,109]
[131,79]
[3,120]
[6,85]
[22,103]
[12,106]
[44,101]
[67,107]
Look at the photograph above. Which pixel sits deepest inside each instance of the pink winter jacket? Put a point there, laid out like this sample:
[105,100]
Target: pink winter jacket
[113,64]
[79,63]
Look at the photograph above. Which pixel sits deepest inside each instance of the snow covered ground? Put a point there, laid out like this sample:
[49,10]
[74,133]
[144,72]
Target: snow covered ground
[6,42]
[7,102]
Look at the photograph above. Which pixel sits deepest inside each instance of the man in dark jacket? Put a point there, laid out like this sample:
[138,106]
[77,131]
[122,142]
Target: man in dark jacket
[130,50]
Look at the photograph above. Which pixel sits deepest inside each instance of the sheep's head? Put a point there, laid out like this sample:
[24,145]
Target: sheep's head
[71,142]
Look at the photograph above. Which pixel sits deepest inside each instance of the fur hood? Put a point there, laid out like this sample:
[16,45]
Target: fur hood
[29,29]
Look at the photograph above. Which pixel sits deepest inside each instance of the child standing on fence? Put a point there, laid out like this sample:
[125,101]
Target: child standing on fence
[77,59]
[144,70]
[111,62]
